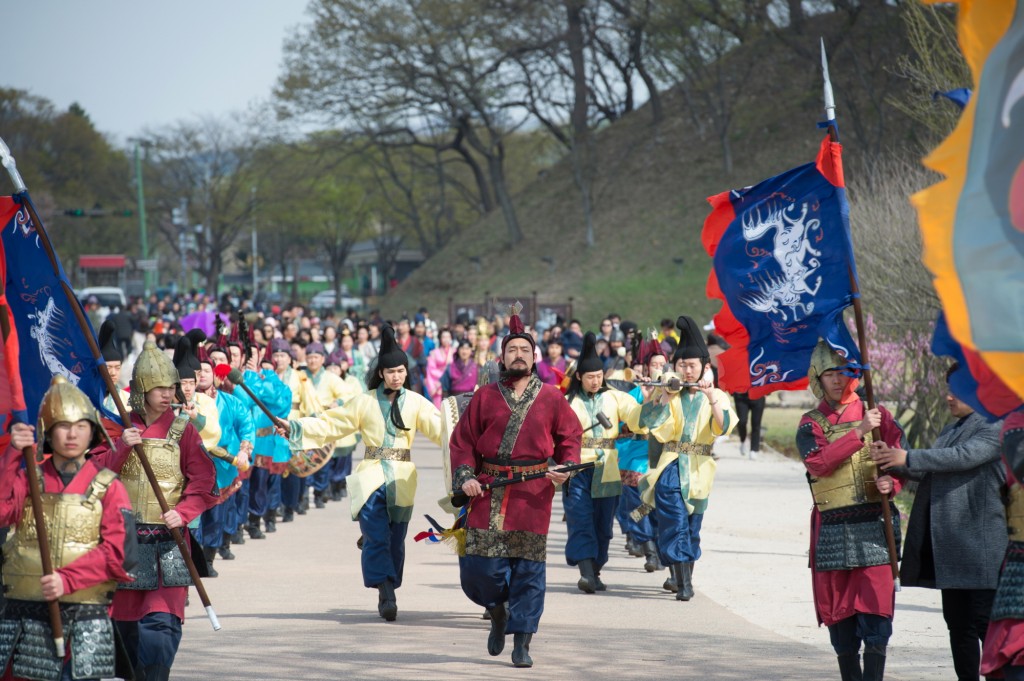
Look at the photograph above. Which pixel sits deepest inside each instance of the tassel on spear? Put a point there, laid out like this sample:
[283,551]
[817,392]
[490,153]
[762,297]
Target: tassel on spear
[858,316]
[7,160]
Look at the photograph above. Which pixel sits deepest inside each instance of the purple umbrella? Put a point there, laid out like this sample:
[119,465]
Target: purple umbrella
[205,320]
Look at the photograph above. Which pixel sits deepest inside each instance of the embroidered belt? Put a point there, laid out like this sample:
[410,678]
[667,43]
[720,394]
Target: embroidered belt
[388,453]
[598,443]
[688,448]
[266,432]
[498,470]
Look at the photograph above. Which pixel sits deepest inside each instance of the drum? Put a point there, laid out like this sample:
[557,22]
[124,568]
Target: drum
[304,464]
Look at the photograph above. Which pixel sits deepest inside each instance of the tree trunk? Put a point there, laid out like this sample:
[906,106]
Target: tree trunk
[295,280]
[582,158]
[495,163]
[486,202]
[796,15]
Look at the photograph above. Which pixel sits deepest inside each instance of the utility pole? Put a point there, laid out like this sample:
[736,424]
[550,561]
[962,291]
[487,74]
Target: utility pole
[252,226]
[144,241]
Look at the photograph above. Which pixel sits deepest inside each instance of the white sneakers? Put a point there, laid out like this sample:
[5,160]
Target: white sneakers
[744,448]
[754,454]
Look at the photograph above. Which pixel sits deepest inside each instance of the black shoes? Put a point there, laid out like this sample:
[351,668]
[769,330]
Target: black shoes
[496,639]
[319,499]
[210,553]
[270,522]
[682,575]
[521,650]
[849,667]
[387,604]
[288,515]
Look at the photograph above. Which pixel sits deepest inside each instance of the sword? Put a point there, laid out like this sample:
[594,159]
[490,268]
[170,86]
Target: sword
[461,499]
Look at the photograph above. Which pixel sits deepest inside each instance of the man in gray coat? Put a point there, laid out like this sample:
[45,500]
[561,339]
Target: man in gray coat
[956,537]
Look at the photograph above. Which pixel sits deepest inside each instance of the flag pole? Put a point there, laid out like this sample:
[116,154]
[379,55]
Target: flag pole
[8,162]
[36,497]
[858,316]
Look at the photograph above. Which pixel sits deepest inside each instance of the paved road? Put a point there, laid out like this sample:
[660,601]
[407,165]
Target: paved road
[293,606]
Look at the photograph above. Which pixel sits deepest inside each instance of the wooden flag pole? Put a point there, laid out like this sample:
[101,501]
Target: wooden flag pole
[858,317]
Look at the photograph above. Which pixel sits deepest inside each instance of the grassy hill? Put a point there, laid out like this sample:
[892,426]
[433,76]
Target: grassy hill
[650,195]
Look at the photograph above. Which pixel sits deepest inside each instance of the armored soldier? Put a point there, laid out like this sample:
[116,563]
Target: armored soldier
[854,590]
[149,610]
[92,533]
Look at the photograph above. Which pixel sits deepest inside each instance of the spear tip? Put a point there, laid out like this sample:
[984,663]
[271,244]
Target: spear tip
[830,102]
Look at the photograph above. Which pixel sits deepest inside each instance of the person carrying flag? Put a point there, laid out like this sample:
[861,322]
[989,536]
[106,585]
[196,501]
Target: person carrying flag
[383,486]
[677,489]
[511,427]
[593,495]
[149,611]
[88,513]
[854,590]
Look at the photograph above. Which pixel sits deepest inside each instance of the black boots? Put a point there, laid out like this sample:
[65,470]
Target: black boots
[338,491]
[633,548]
[319,498]
[521,650]
[270,521]
[588,580]
[152,673]
[682,576]
[225,548]
[650,550]
[238,537]
[496,639]
[253,527]
[874,663]
[387,604]
[288,515]
[849,667]
[209,553]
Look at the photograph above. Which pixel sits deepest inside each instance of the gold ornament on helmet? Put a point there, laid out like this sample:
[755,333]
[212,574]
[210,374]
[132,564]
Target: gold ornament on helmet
[823,359]
[153,369]
[63,402]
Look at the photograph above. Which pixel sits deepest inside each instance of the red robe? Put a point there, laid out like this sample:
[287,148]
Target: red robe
[550,430]
[101,564]
[840,594]
[198,495]
[1004,640]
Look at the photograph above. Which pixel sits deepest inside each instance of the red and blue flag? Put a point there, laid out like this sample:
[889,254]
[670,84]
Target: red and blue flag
[783,268]
[48,337]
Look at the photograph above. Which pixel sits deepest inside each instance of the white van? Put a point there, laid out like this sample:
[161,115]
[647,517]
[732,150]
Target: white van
[108,297]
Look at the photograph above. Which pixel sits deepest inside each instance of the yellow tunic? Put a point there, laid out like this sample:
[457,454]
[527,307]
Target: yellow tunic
[207,408]
[367,414]
[696,471]
[617,406]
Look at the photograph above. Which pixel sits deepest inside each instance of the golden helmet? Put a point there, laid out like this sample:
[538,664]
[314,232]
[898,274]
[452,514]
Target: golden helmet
[823,358]
[65,402]
[153,369]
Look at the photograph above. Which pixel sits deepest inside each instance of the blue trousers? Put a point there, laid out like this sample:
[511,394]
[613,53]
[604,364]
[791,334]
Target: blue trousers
[258,488]
[238,508]
[678,531]
[383,542]
[290,488]
[153,640]
[321,480]
[489,582]
[590,521]
[274,492]
[641,531]
[873,630]
[212,526]
[342,465]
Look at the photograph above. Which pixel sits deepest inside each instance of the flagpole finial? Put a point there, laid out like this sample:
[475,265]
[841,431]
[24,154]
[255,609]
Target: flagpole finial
[830,101]
[7,160]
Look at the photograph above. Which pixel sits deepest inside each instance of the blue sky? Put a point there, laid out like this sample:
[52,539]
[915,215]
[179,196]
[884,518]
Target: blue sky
[143,63]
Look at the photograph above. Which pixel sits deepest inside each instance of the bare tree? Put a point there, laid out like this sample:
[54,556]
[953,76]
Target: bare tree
[210,163]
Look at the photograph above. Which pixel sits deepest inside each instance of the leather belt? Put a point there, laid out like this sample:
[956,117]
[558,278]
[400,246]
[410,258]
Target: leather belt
[498,470]
[388,453]
[598,443]
[688,448]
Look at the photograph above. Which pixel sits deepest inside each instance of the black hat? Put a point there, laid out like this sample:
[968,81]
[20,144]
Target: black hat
[691,342]
[390,355]
[109,349]
[588,360]
[185,361]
